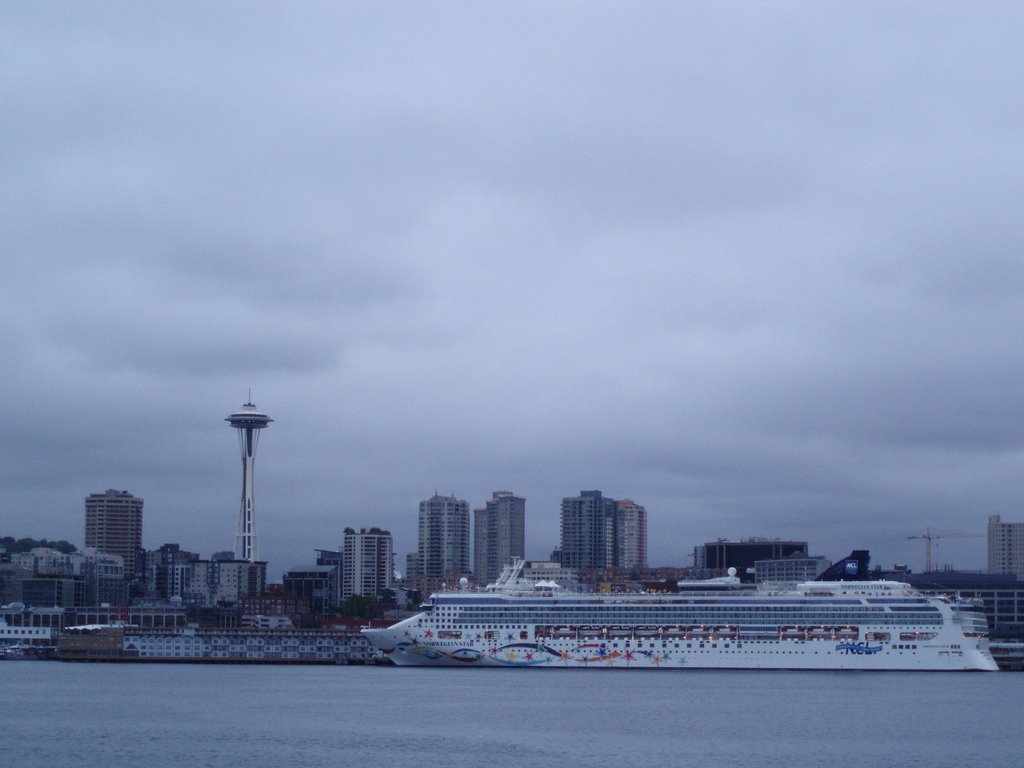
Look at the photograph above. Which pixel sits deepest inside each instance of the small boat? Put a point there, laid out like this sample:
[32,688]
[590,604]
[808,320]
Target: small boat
[18,653]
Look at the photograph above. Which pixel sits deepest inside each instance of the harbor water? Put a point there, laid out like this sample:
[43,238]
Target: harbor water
[159,716]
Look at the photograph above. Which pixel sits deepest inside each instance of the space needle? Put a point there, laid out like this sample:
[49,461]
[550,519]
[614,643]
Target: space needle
[248,422]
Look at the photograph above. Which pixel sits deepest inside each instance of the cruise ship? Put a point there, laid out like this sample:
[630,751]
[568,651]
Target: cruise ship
[847,624]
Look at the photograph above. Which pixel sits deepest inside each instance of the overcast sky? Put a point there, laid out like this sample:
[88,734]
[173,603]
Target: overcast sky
[756,266]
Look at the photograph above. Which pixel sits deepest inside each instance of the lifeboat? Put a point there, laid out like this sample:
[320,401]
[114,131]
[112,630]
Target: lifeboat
[648,631]
[913,636]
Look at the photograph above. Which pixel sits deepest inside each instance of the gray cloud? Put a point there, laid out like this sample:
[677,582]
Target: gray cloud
[755,268]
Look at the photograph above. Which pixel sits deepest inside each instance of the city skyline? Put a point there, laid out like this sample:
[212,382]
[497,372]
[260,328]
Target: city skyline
[754,267]
[613,545]
[631,539]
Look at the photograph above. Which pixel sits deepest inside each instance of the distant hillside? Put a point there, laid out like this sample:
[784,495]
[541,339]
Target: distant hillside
[12,544]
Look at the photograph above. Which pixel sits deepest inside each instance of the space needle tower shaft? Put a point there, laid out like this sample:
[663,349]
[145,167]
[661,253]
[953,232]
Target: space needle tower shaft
[248,421]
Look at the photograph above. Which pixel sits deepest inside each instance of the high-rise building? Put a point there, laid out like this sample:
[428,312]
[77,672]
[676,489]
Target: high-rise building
[1005,547]
[249,422]
[101,577]
[222,580]
[444,537]
[332,558]
[589,531]
[413,565]
[368,562]
[98,576]
[719,556]
[550,570]
[169,571]
[11,578]
[315,585]
[48,593]
[113,524]
[796,568]
[499,534]
[632,534]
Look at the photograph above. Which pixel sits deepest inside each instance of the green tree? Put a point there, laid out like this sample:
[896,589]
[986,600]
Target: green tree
[360,607]
[27,544]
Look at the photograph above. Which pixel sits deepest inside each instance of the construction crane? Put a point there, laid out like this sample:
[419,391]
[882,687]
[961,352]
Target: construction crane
[928,536]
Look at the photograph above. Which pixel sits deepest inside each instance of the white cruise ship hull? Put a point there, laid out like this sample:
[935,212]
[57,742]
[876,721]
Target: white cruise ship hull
[781,654]
[842,626]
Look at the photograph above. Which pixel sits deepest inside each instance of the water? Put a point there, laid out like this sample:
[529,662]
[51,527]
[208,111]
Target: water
[164,716]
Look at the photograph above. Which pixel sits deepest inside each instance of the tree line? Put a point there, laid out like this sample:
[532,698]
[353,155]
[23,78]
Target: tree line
[15,546]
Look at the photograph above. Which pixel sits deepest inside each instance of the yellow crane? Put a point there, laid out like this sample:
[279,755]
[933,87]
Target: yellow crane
[928,536]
